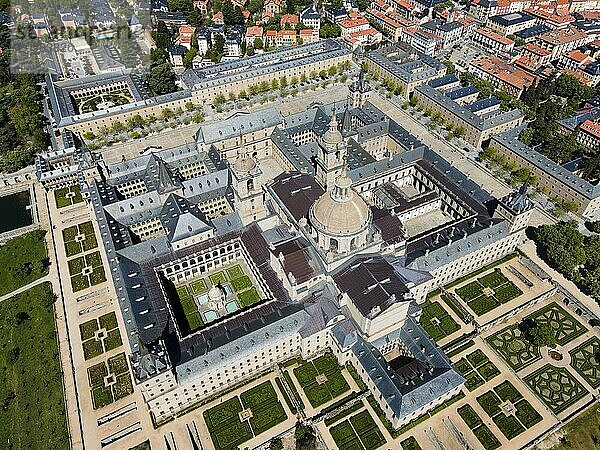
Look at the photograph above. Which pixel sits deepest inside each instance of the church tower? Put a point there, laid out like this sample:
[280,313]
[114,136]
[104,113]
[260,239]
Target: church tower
[330,154]
[360,91]
[246,182]
[516,209]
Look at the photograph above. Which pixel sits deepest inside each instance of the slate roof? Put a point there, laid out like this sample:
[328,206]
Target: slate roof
[297,192]
[371,284]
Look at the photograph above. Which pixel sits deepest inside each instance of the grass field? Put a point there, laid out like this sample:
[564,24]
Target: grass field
[67,196]
[581,433]
[23,259]
[32,411]
[437,322]
[334,385]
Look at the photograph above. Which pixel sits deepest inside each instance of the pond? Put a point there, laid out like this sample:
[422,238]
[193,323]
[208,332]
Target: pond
[14,211]
[210,315]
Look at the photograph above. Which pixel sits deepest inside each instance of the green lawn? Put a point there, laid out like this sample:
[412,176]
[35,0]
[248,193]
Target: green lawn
[410,444]
[483,434]
[360,432]
[235,272]
[23,259]
[73,247]
[334,386]
[511,425]
[217,277]
[249,297]
[63,199]
[583,432]
[477,369]
[103,395]
[437,322]
[503,290]
[31,396]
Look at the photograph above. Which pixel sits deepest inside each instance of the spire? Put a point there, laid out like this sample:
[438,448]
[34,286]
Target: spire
[342,191]
[346,122]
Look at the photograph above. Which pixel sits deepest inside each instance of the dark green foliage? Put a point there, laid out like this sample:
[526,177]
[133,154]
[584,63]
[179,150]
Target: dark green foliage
[436,321]
[507,392]
[21,123]
[539,335]
[509,425]
[490,403]
[527,414]
[23,259]
[31,394]
[410,444]
[469,415]
[161,79]
[486,437]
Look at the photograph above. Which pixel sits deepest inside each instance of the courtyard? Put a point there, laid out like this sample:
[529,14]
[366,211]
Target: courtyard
[234,290]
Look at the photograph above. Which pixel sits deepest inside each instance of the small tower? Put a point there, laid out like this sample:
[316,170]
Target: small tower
[515,208]
[360,91]
[246,183]
[330,154]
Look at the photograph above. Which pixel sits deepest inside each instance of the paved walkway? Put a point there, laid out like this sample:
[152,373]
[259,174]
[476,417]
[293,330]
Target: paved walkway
[24,288]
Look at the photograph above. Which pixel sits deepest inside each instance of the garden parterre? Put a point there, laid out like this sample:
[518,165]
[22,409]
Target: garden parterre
[488,292]
[225,424]
[359,432]
[333,386]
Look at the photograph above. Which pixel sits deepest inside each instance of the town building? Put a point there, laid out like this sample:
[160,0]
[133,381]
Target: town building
[478,122]
[511,23]
[562,41]
[401,64]
[492,41]
[506,77]
[557,180]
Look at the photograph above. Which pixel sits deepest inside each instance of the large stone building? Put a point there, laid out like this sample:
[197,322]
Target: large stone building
[404,66]
[78,105]
[558,181]
[340,248]
[480,119]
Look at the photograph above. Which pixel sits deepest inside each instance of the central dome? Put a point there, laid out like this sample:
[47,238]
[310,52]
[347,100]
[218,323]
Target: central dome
[341,212]
[244,164]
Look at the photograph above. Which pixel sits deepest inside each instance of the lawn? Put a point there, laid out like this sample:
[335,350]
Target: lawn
[480,430]
[581,433]
[235,272]
[503,290]
[23,259]
[63,199]
[199,286]
[477,369]
[249,297]
[437,322]
[334,386]
[511,425]
[359,432]
[93,347]
[241,284]
[103,395]
[217,277]
[32,409]
[585,360]
[513,347]
[410,444]
[72,246]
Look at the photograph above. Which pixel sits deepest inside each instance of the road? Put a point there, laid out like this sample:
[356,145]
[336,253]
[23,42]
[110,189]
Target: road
[24,288]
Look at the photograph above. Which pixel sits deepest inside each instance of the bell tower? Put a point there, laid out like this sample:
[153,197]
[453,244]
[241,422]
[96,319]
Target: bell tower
[330,154]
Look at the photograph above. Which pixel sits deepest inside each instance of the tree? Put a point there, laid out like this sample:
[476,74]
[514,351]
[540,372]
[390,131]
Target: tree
[189,57]
[22,271]
[450,68]
[305,437]
[363,5]
[276,444]
[540,335]
[255,6]
[22,317]
[161,79]
[258,43]
[250,51]
[12,356]
[283,82]
[329,30]
[561,246]
[161,35]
